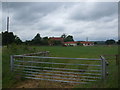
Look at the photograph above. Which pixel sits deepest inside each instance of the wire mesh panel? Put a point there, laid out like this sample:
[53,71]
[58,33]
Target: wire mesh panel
[61,69]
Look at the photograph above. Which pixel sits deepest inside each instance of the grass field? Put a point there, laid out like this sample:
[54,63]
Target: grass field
[8,79]
[0,68]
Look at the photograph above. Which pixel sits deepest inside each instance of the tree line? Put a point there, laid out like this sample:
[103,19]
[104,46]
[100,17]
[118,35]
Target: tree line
[9,38]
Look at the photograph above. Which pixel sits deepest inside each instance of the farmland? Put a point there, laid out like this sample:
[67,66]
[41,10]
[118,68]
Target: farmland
[59,51]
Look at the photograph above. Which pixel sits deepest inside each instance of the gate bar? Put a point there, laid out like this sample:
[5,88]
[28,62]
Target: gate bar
[60,77]
[60,71]
[56,57]
[56,63]
[80,70]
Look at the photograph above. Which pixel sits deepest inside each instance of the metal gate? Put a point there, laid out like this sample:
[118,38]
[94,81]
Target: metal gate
[60,69]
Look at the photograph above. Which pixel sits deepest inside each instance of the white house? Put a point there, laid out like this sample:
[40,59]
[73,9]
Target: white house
[70,43]
[86,43]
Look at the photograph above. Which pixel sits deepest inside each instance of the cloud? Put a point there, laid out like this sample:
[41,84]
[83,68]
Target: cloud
[98,21]
[97,30]
[93,10]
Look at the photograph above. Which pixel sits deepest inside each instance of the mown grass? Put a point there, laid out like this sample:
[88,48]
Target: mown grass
[79,52]
[8,79]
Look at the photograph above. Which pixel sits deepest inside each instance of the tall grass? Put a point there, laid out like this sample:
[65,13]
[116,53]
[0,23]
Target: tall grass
[7,76]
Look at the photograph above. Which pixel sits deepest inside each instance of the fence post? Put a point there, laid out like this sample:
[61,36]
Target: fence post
[117,59]
[103,62]
[11,62]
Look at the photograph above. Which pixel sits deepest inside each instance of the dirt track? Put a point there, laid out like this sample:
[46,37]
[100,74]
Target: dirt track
[42,84]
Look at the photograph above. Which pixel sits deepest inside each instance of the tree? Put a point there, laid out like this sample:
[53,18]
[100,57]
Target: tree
[110,42]
[118,42]
[0,39]
[7,38]
[36,40]
[95,43]
[68,38]
[45,41]
[17,40]
[28,42]
[63,36]
[79,44]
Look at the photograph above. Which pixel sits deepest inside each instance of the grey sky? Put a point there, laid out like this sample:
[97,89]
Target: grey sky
[95,20]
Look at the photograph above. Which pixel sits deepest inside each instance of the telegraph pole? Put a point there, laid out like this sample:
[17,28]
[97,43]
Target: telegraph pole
[7,28]
[7,24]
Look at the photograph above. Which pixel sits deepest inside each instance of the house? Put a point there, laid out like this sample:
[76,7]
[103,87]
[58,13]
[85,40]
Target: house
[52,40]
[86,43]
[70,43]
[60,41]
[75,43]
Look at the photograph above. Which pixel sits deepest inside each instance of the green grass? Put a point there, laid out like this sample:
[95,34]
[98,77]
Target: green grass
[79,52]
[8,79]
[0,68]
[111,80]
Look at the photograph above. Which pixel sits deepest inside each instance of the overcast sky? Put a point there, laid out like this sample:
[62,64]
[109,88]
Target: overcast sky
[95,20]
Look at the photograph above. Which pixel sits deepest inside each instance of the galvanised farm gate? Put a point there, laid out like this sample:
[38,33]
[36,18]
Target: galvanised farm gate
[61,69]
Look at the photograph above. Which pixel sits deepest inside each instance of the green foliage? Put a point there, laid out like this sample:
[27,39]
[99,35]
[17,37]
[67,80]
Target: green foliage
[8,77]
[9,38]
[45,41]
[0,39]
[17,40]
[110,42]
[63,36]
[36,40]
[99,42]
[27,42]
[57,42]
[118,42]
[37,37]
[95,43]
[79,44]
[69,38]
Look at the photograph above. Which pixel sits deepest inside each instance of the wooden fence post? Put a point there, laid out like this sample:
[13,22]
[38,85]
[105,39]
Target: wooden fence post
[11,62]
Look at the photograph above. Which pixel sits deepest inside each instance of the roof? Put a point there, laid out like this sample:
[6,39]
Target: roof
[56,38]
